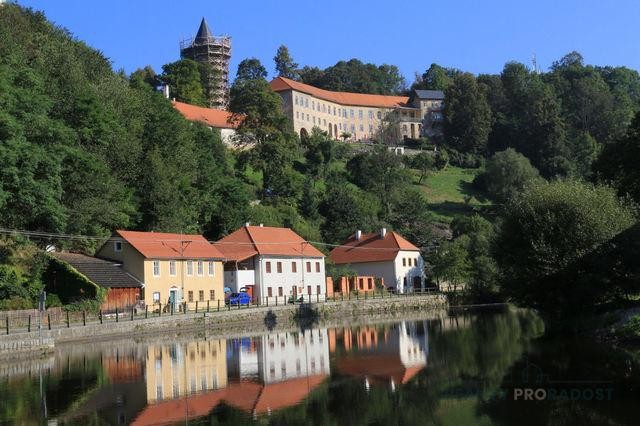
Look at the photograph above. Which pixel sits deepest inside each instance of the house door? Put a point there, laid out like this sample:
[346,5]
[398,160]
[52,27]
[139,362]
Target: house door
[174,298]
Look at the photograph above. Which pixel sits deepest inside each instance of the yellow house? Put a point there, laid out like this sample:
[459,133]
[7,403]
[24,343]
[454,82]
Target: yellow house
[174,268]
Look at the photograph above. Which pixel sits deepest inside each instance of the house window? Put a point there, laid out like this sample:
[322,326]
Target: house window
[370,114]
[117,246]
[307,117]
[296,100]
[189,267]
[200,268]
[190,296]
[306,102]
[334,110]
[379,115]
[294,267]
[201,295]
[362,127]
[172,268]
[280,291]
[297,114]
[309,290]
[268,267]
[351,113]
[156,268]
[308,266]
[279,267]
[317,266]
[318,292]
[404,261]
[211,268]
[212,295]
[360,114]
[156,296]
[269,292]
[370,128]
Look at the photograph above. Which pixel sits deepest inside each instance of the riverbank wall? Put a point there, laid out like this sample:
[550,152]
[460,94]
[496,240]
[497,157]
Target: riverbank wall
[224,322]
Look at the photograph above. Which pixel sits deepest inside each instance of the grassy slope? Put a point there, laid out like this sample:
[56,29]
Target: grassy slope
[450,192]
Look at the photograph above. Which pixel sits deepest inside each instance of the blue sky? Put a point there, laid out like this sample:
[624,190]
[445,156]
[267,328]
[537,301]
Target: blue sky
[476,36]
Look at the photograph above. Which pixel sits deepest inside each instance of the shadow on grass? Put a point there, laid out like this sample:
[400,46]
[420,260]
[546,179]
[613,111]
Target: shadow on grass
[469,190]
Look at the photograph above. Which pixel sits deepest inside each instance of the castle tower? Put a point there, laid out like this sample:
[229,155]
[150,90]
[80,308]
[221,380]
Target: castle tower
[215,51]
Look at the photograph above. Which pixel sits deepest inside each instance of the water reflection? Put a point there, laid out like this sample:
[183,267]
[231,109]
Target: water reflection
[446,371]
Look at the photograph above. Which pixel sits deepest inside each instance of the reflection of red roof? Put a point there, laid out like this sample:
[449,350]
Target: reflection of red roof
[279,395]
[249,397]
[218,118]
[157,245]
[380,367]
[265,240]
[280,84]
[371,248]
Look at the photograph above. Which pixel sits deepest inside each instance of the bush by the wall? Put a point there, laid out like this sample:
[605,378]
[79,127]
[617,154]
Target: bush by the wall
[70,285]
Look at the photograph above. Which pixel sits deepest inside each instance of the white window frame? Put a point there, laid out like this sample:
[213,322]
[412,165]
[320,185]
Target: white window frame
[211,268]
[156,296]
[117,246]
[172,268]
[154,264]
[200,268]
[189,268]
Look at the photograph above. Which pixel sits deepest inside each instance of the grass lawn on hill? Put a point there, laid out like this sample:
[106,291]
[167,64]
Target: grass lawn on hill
[450,192]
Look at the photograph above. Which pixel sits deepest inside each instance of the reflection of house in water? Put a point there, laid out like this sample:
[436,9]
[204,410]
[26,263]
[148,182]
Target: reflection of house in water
[267,373]
[185,368]
[392,355]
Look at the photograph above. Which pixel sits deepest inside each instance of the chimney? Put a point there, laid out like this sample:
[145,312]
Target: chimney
[165,90]
[358,235]
[246,224]
[383,232]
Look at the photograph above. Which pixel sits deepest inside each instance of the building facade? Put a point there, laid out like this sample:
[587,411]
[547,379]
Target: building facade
[273,262]
[174,268]
[214,51]
[362,117]
[385,255]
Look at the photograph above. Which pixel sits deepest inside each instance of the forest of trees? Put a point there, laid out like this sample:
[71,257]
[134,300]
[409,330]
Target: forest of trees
[86,150]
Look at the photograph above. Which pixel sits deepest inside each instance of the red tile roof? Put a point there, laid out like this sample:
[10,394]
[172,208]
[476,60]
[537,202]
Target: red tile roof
[249,241]
[280,84]
[160,245]
[217,118]
[371,248]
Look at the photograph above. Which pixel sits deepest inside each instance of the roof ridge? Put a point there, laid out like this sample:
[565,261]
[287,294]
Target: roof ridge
[253,241]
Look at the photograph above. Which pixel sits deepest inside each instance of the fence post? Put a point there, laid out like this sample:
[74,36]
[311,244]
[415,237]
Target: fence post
[29,326]
[159,309]
[146,312]
[185,307]
[84,318]
[116,314]
[172,308]
[196,306]
[276,300]
[7,323]
[267,300]
[207,306]
[49,320]
[132,312]
[218,305]
[68,322]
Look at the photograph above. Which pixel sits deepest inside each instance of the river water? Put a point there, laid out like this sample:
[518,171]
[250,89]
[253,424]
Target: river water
[473,367]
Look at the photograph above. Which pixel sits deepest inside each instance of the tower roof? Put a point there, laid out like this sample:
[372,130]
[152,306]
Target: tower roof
[204,33]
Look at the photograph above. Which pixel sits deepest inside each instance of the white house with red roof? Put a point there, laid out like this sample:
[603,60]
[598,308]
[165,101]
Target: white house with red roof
[173,268]
[274,262]
[225,121]
[384,254]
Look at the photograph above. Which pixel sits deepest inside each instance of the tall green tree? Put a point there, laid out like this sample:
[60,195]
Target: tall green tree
[285,66]
[435,77]
[185,81]
[467,115]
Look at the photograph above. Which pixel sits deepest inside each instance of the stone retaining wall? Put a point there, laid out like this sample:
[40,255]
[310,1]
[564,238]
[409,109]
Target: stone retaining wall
[241,320]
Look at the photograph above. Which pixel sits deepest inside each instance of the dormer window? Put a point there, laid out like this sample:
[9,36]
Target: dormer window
[117,246]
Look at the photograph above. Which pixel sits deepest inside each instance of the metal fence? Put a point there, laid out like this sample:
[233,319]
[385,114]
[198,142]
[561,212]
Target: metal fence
[55,318]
